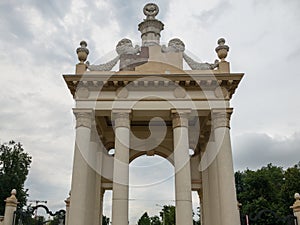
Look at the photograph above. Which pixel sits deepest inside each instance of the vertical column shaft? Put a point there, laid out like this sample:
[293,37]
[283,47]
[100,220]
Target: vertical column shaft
[121,169]
[183,185]
[226,183]
[214,196]
[80,212]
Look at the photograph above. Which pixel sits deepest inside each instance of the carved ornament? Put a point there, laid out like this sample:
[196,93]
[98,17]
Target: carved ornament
[221,118]
[121,118]
[180,118]
[83,119]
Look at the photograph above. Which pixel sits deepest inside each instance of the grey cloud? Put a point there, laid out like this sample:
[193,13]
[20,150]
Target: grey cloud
[52,9]
[253,150]
[127,13]
[208,17]
[14,26]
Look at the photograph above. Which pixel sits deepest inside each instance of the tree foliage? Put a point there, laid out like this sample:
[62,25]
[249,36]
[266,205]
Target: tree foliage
[144,220]
[168,215]
[14,168]
[270,187]
[105,220]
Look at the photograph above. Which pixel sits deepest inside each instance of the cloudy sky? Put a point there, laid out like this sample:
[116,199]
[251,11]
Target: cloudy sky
[37,45]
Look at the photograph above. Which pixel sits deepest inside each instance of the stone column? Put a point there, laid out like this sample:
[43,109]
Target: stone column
[214,195]
[183,185]
[296,207]
[101,205]
[205,190]
[121,168]
[80,208]
[67,201]
[225,174]
[10,208]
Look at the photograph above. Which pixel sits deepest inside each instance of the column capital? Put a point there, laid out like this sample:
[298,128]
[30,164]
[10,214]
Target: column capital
[121,117]
[221,117]
[83,117]
[180,117]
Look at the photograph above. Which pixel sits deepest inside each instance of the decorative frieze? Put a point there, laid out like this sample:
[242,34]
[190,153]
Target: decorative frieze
[221,118]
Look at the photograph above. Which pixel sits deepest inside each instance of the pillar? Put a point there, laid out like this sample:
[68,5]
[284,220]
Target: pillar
[224,168]
[121,168]
[10,208]
[183,185]
[214,195]
[98,183]
[296,207]
[205,190]
[80,208]
[67,201]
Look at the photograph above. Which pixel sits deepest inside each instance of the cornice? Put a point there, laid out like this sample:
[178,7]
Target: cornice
[112,81]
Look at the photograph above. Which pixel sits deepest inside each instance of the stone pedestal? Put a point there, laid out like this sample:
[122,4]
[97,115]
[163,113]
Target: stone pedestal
[296,207]
[10,208]
[183,188]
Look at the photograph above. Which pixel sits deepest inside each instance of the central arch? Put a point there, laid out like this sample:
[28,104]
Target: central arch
[151,185]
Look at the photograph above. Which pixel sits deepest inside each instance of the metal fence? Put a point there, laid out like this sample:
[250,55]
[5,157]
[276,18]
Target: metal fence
[268,217]
[29,217]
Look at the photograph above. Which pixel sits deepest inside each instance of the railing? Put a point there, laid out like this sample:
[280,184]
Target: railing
[25,217]
[268,217]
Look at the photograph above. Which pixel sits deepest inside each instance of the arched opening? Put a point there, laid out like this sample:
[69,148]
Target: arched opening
[151,185]
[151,180]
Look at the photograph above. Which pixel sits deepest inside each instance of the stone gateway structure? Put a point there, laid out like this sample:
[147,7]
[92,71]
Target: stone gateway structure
[152,105]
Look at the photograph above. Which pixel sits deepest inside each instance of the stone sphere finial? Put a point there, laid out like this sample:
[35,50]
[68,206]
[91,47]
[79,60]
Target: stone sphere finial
[13,192]
[82,52]
[297,196]
[151,10]
[222,49]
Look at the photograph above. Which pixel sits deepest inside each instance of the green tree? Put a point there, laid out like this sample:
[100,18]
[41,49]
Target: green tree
[168,215]
[144,220]
[270,187]
[14,168]
[105,220]
[154,220]
[291,185]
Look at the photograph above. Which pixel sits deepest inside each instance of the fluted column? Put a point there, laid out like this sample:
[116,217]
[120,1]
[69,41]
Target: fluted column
[214,195]
[80,210]
[225,173]
[183,185]
[95,177]
[205,209]
[121,168]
